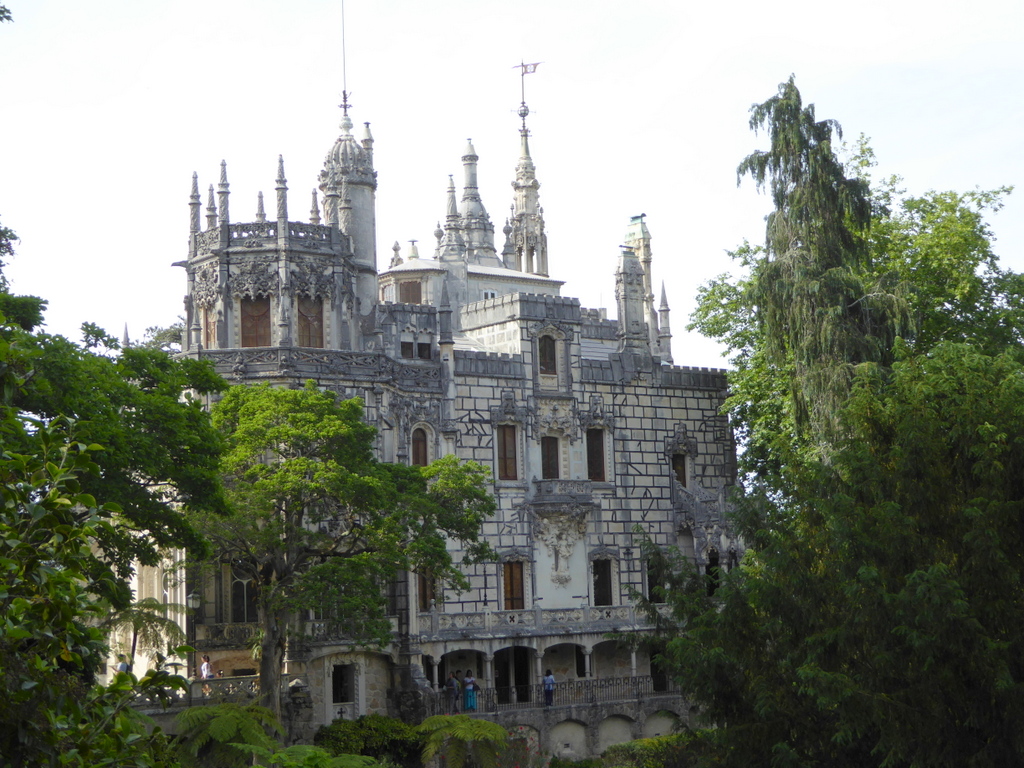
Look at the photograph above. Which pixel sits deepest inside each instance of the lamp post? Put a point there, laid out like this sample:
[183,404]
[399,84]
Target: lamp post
[194,601]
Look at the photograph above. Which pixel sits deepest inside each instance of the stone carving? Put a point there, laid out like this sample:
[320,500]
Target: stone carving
[508,410]
[204,287]
[310,279]
[551,328]
[556,416]
[559,528]
[595,415]
[681,441]
[254,278]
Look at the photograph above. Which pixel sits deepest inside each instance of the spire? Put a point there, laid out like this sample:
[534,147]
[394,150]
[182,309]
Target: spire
[314,212]
[451,246]
[472,205]
[664,332]
[194,203]
[444,317]
[261,214]
[125,341]
[223,193]
[639,239]
[282,191]
[211,211]
[528,242]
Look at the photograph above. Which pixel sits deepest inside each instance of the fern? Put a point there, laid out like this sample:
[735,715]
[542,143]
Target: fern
[222,734]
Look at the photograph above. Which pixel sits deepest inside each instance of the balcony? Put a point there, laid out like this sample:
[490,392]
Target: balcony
[558,621]
[572,693]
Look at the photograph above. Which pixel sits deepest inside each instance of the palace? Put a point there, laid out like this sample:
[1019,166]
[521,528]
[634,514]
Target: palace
[594,437]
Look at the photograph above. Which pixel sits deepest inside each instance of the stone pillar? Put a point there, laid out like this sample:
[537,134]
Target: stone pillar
[586,662]
[632,662]
[488,670]
[538,666]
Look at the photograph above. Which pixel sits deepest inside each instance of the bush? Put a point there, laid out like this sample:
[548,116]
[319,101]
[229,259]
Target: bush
[377,736]
[676,750]
[589,762]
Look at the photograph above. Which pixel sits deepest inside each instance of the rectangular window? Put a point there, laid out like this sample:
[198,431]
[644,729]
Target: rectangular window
[427,593]
[410,293]
[546,353]
[679,468]
[655,582]
[602,582]
[595,455]
[515,597]
[581,663]
[209,328]
[343,684]
[256,322]
[423,350]
[311,322]
[549,458]
[507,466]
[407,349]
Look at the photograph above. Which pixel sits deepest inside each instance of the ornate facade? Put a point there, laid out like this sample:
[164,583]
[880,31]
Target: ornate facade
[595,439]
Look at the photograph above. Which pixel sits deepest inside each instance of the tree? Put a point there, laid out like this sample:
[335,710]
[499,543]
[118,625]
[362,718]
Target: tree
[223,735]
[463,739]
[54,590]
[319,524]
[147,622]
[876,617]
[161,453]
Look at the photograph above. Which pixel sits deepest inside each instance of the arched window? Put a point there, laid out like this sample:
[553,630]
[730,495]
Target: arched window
[256,322]
[311,322]
[243,598]
[419,447]
[546,355]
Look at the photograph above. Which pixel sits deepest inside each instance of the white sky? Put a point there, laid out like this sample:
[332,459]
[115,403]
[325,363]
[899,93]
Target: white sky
[638,107]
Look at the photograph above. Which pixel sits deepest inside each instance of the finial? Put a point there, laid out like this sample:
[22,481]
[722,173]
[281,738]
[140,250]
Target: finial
[282,191]
[261,215]
[194,201]
[314,212]
[211,211]
[438,233]
[396,259]
[223,192]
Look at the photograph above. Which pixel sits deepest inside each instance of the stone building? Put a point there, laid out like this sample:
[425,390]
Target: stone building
[595,439]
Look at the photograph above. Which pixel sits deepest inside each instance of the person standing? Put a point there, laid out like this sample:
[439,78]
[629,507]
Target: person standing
[122,663]
[469,696]
[549,689]
[452,691]
[205,669]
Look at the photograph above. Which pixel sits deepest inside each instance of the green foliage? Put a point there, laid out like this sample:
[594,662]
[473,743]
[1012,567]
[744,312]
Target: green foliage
[461,738]
[224,735]
[320,524]
[166,339]
[589,762]
[304,756]
[160,451]
[677,750]
[378,736]
[147,623]
[877,617]
[54,590]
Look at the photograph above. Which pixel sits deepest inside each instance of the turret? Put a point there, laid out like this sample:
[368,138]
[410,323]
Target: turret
[477,229]
[348,174]
[527,239]
[639,239]
[629,295]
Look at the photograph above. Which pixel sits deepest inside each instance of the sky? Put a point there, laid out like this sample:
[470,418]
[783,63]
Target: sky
[637,107]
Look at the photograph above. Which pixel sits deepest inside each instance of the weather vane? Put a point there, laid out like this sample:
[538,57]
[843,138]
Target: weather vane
[524,70]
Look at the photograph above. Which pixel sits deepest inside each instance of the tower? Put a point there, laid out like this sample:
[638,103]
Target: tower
[348,184]
[526,244]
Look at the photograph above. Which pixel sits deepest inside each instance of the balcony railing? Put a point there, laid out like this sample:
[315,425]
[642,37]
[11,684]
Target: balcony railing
[565,694]
[541,621]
